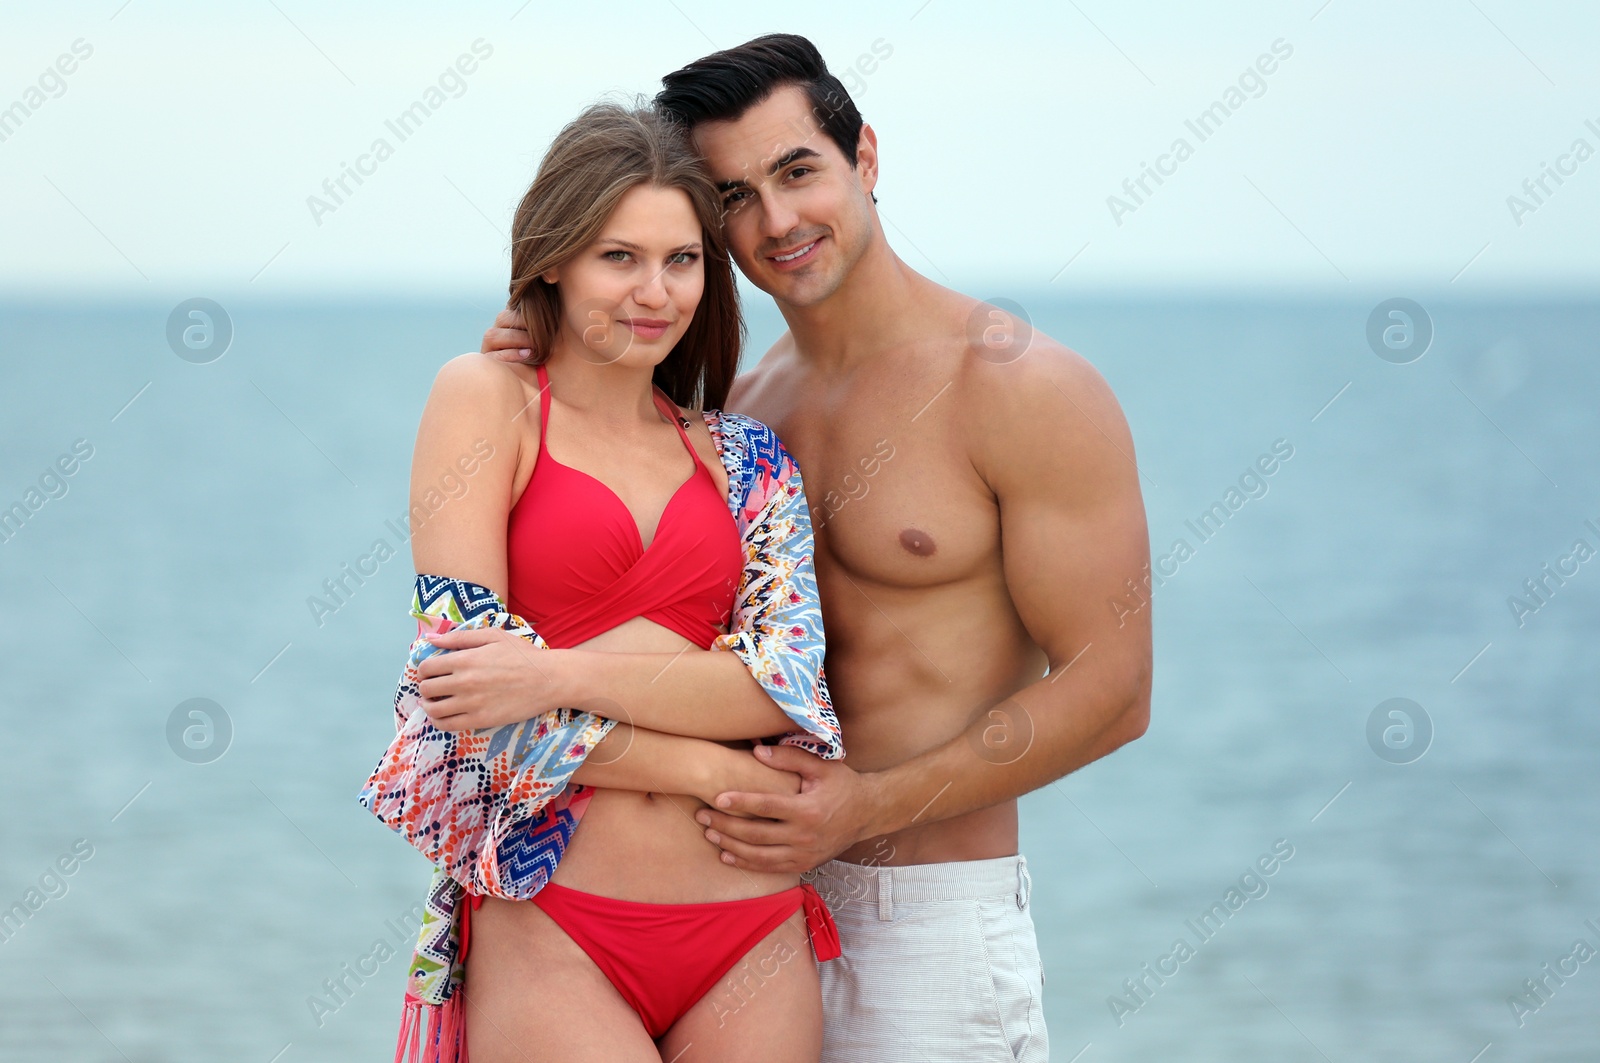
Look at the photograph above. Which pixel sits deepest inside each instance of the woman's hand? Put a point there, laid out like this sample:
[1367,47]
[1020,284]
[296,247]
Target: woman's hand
[491,677]
[739,770]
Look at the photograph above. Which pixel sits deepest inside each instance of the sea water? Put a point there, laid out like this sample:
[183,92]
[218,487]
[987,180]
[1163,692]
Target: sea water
[1375,674]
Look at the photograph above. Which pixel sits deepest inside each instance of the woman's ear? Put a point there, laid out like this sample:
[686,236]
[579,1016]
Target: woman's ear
[550,276]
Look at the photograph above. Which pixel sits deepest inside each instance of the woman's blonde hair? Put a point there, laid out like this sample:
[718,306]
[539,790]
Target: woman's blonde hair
[592,163]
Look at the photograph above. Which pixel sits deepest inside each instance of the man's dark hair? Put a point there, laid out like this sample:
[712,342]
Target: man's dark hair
[726,84]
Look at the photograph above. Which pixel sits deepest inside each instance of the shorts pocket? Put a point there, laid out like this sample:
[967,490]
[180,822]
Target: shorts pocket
[1018,976]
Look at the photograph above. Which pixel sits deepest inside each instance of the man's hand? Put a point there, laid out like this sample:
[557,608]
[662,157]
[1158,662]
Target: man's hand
[508,340]
[493,677]
[735,770]
[795,833]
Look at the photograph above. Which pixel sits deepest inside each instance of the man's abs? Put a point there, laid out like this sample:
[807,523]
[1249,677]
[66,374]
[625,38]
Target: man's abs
[923,637]
[913,670]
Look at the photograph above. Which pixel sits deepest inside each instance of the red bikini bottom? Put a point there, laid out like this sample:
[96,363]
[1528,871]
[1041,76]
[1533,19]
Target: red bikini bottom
[663,958]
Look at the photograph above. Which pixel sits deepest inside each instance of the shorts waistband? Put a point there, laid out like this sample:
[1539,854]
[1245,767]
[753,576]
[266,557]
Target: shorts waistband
[842,883]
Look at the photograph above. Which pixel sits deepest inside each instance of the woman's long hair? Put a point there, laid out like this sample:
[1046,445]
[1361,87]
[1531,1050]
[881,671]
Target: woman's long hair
[592,163]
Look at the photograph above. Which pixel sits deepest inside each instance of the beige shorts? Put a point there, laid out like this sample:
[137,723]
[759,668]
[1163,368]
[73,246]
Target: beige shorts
[940,964]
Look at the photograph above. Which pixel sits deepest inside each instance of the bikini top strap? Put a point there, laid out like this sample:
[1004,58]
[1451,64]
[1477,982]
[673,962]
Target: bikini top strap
[664,404]
[668,407]
[544,400]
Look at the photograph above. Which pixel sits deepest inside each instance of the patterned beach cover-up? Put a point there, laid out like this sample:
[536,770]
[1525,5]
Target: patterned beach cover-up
[494,809]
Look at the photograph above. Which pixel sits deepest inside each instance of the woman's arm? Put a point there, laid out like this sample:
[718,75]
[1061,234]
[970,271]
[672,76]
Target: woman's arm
[502,789]
[768,682]
[636,758]
[693,693]
[462,471]
[459,527]
[462,476]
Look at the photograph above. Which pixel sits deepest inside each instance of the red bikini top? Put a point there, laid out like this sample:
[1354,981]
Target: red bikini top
[577,561]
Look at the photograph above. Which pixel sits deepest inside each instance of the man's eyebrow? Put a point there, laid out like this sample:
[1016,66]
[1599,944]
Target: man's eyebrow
[792,155]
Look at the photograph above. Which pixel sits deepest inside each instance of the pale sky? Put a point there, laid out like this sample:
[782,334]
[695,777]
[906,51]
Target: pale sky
[177,158]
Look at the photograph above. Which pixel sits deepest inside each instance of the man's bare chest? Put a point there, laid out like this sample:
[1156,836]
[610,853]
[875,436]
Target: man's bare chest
[893,495]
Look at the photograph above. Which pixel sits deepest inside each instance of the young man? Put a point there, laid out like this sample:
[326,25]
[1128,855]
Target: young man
[978,519]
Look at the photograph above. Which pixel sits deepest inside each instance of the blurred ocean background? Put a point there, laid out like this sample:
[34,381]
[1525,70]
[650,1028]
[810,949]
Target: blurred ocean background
[1378,564]
[1342,669]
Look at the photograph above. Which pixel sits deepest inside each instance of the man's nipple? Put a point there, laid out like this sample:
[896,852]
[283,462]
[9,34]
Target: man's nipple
[918,542]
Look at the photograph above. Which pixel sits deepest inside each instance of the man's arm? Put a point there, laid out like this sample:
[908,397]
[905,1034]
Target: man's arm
[508,338]
[1050,439]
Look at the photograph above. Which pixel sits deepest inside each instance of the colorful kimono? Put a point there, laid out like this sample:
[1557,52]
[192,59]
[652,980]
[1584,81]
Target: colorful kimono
[494,809]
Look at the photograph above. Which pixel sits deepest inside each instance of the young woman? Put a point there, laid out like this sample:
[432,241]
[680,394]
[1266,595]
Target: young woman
[602,517]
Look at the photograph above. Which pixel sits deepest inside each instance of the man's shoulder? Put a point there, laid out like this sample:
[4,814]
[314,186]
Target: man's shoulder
[995,346]
[1006,359]
[1026,393]
[749,385]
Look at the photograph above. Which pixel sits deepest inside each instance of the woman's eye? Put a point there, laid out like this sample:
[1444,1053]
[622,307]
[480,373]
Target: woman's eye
[608,255]
[682,258]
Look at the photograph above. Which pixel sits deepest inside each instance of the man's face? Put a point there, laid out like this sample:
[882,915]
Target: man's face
[798,215]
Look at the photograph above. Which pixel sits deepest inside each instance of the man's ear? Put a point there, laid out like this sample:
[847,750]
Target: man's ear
[867,159]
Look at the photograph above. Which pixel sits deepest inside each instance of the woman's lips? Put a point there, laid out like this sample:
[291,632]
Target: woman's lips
[647,328]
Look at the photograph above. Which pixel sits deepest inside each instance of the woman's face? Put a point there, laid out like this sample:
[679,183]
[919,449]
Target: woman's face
[629,296]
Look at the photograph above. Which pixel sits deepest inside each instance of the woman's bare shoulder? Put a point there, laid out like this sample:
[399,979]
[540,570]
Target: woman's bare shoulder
[476,400]
[479,376]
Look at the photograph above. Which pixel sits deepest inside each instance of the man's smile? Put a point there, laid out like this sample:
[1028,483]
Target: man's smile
[795,257]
